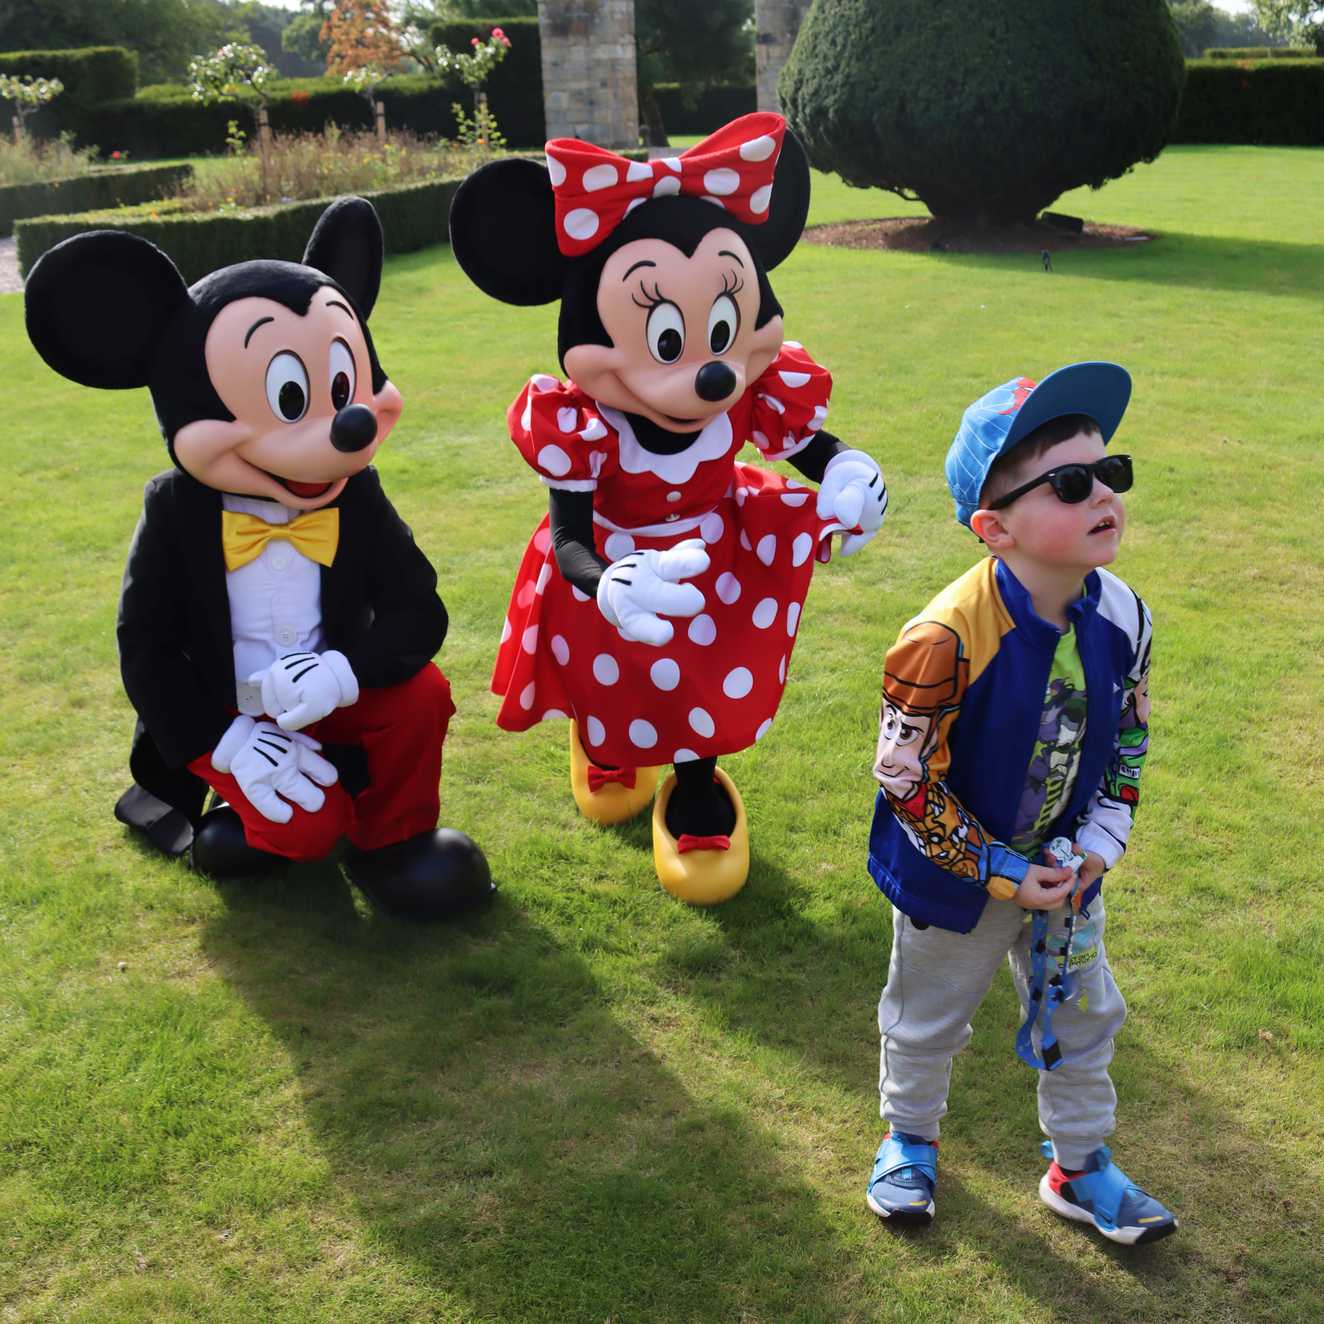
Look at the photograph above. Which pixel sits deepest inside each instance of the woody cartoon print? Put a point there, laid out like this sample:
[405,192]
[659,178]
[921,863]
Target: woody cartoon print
[657,605]
[273,599]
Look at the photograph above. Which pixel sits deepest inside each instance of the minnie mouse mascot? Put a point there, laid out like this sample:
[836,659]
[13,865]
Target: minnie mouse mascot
[657,604]
[273,598]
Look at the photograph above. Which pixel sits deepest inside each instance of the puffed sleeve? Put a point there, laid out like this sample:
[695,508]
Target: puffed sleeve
[788,404]
[561,434]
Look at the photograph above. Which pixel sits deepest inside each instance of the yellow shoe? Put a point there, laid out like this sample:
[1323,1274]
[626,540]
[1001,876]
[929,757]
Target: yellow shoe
[612,802]
[701,877]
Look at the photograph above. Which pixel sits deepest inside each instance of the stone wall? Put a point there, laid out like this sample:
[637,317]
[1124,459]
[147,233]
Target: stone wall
[776,24]
[589,83]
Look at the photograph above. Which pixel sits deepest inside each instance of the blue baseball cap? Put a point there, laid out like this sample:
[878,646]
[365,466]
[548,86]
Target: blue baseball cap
[1009,413]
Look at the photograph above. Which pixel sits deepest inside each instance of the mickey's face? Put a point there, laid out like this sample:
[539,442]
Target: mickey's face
[684,345]
[300,390]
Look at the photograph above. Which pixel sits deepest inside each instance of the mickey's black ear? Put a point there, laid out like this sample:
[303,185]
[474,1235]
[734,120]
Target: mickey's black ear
[503,233]
[98,304]
[347,245]
[774,239]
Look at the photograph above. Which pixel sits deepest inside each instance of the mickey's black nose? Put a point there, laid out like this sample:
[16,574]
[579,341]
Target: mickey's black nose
[353,428]
[715,381]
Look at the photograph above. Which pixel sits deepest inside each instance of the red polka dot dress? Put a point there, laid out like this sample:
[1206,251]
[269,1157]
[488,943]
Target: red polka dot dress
[715,687]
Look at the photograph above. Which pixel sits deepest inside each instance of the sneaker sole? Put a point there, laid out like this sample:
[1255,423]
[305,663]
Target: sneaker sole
[918,1217]
[1124,1236]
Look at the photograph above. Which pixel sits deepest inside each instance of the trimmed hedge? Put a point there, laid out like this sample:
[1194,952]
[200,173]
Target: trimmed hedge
[714,106]
[91,77]
[1260,53]
[413,217]
[116,187]
[514,87]
[1271,102]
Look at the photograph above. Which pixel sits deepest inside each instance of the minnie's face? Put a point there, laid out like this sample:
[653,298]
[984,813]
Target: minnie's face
[684,345]
[300,390]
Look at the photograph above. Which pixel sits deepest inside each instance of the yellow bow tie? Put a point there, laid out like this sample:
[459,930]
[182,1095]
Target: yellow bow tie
[316,535]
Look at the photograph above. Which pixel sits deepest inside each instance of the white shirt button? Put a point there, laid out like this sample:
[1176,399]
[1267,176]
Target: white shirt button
[285,635]
[673,496]
[280,558]
[671,517]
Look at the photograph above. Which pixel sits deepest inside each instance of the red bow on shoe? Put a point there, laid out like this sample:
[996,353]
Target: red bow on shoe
[595,189]
[686,843]
[600,777]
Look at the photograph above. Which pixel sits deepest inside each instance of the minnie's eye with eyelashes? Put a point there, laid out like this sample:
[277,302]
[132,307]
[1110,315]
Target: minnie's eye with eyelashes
[665,332]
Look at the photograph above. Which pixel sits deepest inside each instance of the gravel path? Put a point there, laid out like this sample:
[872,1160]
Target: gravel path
[9,281]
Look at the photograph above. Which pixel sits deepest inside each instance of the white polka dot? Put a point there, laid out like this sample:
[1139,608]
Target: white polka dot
[759,199]
[739,681]
[744,537]
[820,413]
[674,496]
[701,723]
[801,547]
[794,379]
[728,587]
[684,756]
[638,170]
[764,727]
[578,594]
[765,613]
[560,649]
[666,185]
[758,149]
[581,223]
[792,617]
[773,403]
[555,171]
[505,630]
[711,527]
[723,182]
[529,640]
[643,734]
[618,545]
[567,418]
[702,629]
[794,499]
[767,548]
[599,177]
[788,440]
[781,672]
[760,439]
[606,670]
[638,202]
[526,696]
[542,382]
[717,202]
[597,733]
[792,344]
[665,673]
[526,594]
[526,418]
[543,576]
[795,484]
[672,163]
[554,460]
[542,540]
[552,712]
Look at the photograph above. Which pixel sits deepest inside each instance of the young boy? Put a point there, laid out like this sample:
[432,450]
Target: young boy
[1015,710]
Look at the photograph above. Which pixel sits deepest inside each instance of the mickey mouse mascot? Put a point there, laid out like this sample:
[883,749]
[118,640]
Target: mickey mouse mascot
[273,598]
[657,605]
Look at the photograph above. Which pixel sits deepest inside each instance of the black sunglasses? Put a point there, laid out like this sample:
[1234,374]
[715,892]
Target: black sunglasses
[1073,483]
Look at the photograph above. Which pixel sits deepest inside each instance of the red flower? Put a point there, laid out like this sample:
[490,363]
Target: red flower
[473,41]
[498,34]
[114,156]
[301,96]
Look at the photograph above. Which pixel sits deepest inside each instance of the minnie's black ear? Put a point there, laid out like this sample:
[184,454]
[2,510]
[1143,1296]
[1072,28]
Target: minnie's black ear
[774,239]
[98,304]
[503,233]
[347,245]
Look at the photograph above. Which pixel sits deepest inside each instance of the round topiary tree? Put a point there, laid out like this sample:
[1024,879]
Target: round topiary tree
[985,112]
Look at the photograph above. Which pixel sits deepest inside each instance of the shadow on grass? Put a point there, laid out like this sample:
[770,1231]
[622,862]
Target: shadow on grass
[501,1133]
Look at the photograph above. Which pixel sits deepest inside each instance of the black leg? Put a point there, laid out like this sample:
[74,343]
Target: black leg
[699,806]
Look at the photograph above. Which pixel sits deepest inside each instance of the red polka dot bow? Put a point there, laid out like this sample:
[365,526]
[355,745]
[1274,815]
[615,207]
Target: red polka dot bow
[595,189]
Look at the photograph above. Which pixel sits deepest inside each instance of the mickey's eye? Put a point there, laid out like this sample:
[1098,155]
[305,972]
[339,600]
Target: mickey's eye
[287,387]
[342,374]
[723,323]
[666,332]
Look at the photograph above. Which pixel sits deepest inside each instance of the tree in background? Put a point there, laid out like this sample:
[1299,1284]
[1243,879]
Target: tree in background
[986,113]
[239,71]
[27,95]
[1302,20]
[302,37]
[1201,25]
[360,33]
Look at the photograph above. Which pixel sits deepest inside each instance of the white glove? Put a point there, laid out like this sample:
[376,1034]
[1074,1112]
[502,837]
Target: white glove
[635,592]
[301,688]
[854,494]
[263,759]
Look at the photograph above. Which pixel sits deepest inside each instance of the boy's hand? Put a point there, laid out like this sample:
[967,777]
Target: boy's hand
[1044,887]
[1093,869]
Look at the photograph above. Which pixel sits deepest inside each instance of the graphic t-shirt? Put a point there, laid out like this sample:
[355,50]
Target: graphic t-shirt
[1057,749]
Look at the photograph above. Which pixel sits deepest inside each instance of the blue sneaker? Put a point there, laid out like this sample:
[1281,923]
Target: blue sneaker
[1104,1195]
[905,1174]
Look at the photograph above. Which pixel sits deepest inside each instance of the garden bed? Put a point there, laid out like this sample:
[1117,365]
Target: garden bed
[113,186]
[924,234]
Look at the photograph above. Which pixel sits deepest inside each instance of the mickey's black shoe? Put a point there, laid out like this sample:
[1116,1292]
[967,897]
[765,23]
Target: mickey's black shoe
[220,850]
[431,876]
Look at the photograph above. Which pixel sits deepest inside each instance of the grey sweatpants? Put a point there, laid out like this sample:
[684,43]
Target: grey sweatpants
[936,981]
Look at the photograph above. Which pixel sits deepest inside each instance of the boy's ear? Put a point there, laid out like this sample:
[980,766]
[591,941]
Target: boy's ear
[503,233]
[788,209]
[98,304]
[347,245]
[988,527]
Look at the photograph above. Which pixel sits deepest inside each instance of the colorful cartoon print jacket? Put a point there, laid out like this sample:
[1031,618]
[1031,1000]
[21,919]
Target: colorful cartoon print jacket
[963,692]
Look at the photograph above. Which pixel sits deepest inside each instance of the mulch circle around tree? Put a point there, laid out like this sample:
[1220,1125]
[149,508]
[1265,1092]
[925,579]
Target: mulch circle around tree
[924,234]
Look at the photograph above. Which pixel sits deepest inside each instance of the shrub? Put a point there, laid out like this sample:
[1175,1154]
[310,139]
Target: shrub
[91,76]
[413,217]
[1260,53]
[985,112]
[84,193]
[514,87]
[32,161]
[1270,101]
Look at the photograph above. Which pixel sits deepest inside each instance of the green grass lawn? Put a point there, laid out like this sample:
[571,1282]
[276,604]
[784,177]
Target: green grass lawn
[264,1103]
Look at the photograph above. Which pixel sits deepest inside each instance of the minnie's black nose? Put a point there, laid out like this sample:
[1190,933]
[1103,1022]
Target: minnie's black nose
[353,428]
[715,381]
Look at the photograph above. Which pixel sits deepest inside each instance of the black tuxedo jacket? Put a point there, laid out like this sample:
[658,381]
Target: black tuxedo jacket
[379,607]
